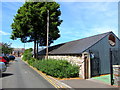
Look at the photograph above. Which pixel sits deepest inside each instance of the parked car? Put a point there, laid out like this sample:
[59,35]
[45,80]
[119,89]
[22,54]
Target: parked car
[4,59]
[2,67]
[11,57]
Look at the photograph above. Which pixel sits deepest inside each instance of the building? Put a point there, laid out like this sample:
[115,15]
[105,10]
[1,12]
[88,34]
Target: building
[94,55]
[18,51]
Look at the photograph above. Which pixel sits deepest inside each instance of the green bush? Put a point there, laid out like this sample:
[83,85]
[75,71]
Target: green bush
[27,55]
[31,61]
[55,68]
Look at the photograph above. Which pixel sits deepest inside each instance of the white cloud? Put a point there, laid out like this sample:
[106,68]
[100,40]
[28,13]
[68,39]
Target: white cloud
[89,19]
[76,33]
[100,30]
[4,33]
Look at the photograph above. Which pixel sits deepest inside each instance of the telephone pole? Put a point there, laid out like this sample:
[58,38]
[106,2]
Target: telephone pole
[24,45]
[47,34]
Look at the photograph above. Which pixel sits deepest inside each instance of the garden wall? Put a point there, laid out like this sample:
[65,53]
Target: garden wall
[74,60]
[116,74]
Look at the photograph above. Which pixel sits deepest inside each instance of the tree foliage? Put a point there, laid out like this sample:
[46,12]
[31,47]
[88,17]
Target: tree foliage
[30,22]
[6,48]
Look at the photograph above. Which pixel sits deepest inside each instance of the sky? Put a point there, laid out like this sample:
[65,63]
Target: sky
[80,20]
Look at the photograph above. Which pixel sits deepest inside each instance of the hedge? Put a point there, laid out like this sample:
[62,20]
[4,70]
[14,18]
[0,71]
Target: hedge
[55,68]
[52,67]
[27,55]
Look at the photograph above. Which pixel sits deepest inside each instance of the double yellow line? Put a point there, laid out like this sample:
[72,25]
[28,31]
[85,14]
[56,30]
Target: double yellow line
[56,86]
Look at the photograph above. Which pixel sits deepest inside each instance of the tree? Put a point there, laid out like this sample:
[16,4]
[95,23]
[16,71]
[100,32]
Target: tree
[30,23]
[6,48]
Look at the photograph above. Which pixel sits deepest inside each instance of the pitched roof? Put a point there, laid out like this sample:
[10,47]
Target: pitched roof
[77,46]
[51,48]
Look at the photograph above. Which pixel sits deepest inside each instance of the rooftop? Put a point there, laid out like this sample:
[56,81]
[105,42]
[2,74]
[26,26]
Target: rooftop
[76,46]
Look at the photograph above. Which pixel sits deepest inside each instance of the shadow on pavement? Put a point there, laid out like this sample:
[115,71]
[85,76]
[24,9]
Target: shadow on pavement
[6,74]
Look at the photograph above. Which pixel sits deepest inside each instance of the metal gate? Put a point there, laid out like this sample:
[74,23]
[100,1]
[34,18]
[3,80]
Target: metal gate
[95,64]
[115,56]
[114,60]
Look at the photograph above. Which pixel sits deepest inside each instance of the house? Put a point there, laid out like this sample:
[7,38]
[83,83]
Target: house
[92,54]
[18,51]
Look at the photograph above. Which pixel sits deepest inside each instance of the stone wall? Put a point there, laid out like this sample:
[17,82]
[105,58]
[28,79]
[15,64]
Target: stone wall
[116,74]
[74,60]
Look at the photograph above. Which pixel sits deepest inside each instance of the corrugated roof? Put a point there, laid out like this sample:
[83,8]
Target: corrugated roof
[78,46]
[75,47]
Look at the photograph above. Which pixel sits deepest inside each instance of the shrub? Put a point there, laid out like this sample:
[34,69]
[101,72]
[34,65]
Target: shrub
[56,68]
[27,55]
[31,61]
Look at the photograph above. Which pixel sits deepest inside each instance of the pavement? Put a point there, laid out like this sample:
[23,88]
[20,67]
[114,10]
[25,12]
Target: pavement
[82,83]
[104,78]
[20,75]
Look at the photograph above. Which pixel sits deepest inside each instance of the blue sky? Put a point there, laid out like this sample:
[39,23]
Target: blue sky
[80,19]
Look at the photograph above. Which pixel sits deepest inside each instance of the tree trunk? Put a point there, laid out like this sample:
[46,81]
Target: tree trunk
[35,48]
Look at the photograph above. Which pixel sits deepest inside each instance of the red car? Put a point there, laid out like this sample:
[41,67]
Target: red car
[4,59]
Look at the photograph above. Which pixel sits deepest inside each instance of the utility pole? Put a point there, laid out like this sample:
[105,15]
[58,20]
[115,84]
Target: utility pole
[47,34]
[24,45]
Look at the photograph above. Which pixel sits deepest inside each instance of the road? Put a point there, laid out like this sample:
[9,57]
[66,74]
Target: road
[20,75]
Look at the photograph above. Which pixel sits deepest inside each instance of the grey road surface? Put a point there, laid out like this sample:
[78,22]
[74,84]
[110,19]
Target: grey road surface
[20,75]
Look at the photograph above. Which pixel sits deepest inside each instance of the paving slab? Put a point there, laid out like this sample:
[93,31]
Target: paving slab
[82,83]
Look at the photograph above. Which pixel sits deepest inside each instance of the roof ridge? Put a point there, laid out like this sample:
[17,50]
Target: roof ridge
[90,37]
[84,38]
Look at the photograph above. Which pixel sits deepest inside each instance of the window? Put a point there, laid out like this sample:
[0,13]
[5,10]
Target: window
[111,40]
